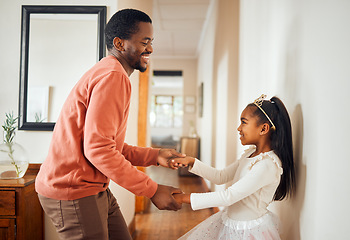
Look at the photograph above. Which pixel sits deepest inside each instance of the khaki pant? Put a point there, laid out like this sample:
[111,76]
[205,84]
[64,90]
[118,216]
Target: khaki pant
[93,217]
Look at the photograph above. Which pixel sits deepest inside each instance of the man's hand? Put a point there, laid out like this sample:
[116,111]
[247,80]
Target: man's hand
[163,198]
[165,155]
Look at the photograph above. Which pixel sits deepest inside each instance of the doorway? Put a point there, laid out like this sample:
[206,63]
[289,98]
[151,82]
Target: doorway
[166,109]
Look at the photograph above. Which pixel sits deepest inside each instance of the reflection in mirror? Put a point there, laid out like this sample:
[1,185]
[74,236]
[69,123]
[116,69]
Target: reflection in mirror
[60,45]
[58,57]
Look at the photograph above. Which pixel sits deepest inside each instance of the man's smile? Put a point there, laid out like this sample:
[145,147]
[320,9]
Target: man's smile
[145,57]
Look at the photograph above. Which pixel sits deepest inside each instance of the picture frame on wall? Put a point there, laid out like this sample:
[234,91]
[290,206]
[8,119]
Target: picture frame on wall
[190,99]
[200,100]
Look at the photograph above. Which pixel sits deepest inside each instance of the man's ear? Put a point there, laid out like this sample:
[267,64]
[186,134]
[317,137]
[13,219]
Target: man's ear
[118,43]
[265,128]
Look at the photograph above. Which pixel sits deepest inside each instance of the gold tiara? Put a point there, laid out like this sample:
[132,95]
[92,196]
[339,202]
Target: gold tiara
[258,102]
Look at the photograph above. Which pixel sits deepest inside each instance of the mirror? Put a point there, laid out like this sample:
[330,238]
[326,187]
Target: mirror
[58,45]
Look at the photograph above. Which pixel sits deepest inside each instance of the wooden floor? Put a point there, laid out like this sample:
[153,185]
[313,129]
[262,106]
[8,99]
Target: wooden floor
[154,224]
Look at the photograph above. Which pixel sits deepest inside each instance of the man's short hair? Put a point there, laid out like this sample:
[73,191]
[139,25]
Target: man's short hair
[124,24]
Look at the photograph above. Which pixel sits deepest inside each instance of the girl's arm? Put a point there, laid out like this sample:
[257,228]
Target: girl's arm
[201,169]
[262,173]
[182,198]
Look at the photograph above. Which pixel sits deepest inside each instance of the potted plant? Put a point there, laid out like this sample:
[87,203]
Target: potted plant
[13,158]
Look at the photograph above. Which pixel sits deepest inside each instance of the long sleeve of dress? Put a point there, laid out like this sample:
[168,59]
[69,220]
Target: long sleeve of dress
[262,173]
[214,175]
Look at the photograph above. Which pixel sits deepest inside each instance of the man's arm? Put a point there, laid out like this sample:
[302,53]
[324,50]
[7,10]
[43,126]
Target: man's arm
[146,156]
[140,156]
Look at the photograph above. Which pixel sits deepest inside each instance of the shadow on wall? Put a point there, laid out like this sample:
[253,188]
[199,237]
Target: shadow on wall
[289,210]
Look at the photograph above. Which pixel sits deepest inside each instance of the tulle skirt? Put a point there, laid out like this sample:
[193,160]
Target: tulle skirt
[220,226]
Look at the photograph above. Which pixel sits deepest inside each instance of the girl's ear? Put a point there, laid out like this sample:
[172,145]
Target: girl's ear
[118,44]
[265,128]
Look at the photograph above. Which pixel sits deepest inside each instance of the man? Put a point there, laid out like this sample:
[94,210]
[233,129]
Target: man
[88,149]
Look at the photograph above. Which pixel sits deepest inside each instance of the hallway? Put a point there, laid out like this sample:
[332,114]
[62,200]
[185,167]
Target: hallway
[168,225]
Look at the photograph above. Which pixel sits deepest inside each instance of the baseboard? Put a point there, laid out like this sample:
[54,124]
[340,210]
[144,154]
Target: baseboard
[132,226]
[142,204]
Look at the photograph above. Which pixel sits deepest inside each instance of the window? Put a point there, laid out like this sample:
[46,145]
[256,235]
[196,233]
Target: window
[166,111]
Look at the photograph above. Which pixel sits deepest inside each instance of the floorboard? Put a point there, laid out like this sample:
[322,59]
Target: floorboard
[155,224]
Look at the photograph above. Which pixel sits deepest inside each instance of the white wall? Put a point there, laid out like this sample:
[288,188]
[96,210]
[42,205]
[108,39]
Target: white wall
[218,70]
[299,51]
[205,71]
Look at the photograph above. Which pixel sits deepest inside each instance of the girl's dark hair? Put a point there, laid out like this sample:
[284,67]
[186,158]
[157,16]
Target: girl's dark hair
[281,142]
[124,24]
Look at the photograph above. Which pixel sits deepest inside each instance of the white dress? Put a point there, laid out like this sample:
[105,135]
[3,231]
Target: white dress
[245,215]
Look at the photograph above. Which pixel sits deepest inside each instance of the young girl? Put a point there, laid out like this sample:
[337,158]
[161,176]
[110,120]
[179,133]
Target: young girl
[265,172]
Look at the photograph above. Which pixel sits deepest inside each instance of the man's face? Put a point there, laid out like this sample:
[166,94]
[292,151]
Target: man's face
[139,47]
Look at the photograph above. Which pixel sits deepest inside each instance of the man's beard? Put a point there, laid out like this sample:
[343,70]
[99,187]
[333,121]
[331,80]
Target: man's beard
[139,67]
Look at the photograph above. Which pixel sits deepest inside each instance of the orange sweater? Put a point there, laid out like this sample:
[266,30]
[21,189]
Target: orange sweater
[87,147]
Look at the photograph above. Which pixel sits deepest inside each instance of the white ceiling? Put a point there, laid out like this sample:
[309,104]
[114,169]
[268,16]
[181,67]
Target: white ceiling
[178,27]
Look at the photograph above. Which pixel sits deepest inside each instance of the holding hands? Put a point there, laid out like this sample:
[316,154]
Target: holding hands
[175,163]
[166,155]
[182,162]
[171,159]
[182,198]
[164,199]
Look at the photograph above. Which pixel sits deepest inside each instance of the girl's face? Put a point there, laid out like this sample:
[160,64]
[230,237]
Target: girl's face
[249,129]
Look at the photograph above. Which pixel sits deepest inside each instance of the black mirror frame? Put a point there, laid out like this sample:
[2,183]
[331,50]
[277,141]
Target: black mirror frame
[101,11]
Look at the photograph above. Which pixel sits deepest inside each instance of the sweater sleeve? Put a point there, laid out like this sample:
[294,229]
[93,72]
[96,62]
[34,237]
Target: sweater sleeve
[140,156]
[214,175]
[104,121]
[263,173]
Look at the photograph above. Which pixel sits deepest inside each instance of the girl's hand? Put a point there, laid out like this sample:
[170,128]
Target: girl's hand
[166,155]
[181,162]
[182,198]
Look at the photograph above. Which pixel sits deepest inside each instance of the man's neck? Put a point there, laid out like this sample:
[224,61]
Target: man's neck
[129,70]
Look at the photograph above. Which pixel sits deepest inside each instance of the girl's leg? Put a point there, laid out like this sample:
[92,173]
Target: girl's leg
[117,228]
